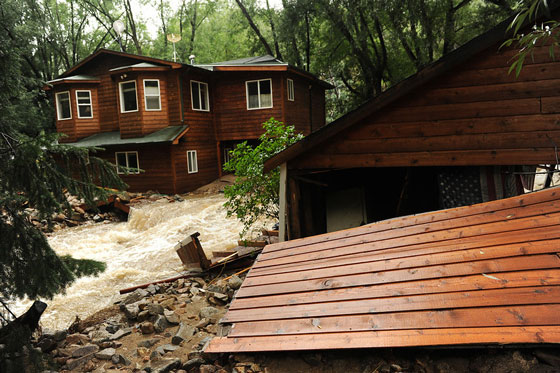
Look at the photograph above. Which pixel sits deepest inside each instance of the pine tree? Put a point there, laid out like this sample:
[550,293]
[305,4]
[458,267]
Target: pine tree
[35,171]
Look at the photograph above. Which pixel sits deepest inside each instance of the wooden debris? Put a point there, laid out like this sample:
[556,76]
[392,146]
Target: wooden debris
[481,274]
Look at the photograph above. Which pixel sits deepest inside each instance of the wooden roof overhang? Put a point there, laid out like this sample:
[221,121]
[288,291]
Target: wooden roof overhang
[476,275]
[77,79]
[102,51]
[318,138]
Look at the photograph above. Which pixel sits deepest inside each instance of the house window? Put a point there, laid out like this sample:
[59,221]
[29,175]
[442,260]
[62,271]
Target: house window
[127,162]
[128,96]
[152,97]
[259,94]
[290,90]
[199,96]
[192,162]
[63,106]
[83,101]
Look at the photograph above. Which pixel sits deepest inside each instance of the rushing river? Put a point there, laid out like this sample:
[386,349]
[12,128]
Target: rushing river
[136,252]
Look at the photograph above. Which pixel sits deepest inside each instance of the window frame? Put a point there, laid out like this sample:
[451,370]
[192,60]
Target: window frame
[126,153]
[58,105]
[259,94]
[200,96]
[78,103]
[121,96]
[291,90]
[146,96]
[190,169]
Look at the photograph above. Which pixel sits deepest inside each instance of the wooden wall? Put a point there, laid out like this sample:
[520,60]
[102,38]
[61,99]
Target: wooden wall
[154,159]
[475,114]
[77,128]
[233,120]
[207,164]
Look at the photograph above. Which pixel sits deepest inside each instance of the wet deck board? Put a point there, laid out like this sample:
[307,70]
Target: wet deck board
[481,274]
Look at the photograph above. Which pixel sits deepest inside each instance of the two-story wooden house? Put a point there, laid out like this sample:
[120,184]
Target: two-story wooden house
[173,123]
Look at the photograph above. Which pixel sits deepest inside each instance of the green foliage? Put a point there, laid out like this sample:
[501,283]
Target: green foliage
[254,194]
[35,171]
[83,267]
[540,34]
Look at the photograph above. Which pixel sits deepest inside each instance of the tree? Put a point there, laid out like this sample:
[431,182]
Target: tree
[254,194]
[35,171]
[540,34]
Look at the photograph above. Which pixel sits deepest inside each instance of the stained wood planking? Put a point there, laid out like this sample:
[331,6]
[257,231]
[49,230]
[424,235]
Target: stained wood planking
[458,318]
[478,272]
[390,338]
[430,286]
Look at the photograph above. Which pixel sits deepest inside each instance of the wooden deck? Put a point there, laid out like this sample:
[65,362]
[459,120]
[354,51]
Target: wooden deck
[481,274]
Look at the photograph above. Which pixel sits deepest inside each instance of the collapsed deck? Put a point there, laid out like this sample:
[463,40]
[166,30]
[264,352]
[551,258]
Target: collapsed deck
[481,274]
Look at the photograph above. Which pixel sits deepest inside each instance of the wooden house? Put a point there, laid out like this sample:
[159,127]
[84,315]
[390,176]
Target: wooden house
[172,124]
[460,131]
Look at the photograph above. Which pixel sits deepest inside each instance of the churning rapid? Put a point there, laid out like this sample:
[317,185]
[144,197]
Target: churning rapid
[136,252]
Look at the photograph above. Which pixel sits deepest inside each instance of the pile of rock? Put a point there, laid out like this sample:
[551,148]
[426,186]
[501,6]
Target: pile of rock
[161,328]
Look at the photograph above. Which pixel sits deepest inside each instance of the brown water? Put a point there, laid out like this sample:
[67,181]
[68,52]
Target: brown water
[136,252]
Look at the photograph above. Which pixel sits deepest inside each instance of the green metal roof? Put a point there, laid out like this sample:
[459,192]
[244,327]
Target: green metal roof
[168,134]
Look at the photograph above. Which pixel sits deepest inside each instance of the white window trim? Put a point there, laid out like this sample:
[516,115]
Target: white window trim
[78,103]
[192,170]
[146,96]
[291,92]
[207,98]
[126,157]
[58,106]
[121,96]
[259,95]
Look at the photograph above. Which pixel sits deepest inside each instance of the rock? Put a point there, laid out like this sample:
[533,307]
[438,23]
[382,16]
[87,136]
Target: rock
[97,218]
[77,339]
[89,366]
[72,364]
[47,344]
[184,332]
[99,336]
[171,317]
[142,352]
[193,363]
[218,287]
[86,350]
[120,333]
[157,353]
[208,313]
[112,328]
[154,309]
[135,296]
[147,327]
[207,368]
[165,365]
[152,289]
[396,368]
[105,354]
[199,281]
[168,303]
[130,310]
[143,316]
[169,348]
[160,324]
[119,359]
[147,343]
[59,335]
[202,323]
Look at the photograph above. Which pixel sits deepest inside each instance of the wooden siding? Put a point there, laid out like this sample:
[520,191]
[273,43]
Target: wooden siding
[481,274]
[154,159]
[476,114]
[207,164]
[234,121]
[78,128]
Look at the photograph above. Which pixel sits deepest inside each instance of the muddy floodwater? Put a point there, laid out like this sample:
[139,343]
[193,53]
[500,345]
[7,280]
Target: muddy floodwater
[136,252]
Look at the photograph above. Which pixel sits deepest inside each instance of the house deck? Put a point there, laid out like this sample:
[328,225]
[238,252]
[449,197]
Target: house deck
[480,274]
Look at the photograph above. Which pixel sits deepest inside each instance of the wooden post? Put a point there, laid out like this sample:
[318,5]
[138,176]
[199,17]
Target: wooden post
[282,212]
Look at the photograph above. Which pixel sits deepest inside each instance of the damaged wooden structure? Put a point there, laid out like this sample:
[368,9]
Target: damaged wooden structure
[475,275]
[460,131]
